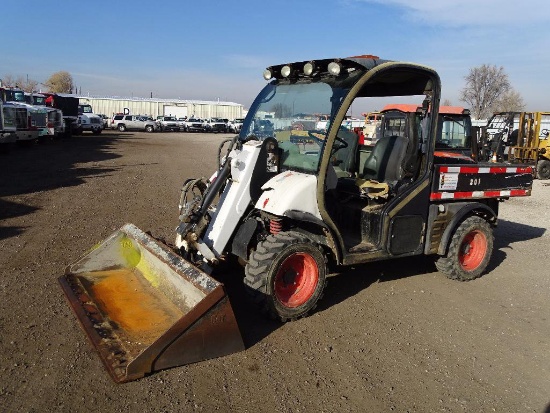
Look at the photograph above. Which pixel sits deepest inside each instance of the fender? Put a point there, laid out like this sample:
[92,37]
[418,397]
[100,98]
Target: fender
[441,224]
[303,222]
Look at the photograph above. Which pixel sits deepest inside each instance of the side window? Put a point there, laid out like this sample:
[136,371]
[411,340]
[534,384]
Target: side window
[128,117]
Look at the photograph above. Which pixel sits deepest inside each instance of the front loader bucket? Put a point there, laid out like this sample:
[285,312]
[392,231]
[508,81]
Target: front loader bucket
[145,308]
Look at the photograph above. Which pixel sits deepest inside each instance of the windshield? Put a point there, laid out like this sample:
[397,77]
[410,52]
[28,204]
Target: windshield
[39,100]
[15,96]
[453,132]
[290,113]
[85,109]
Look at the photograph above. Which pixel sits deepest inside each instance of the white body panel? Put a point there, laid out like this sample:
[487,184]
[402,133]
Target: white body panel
[235,198]
[290,191]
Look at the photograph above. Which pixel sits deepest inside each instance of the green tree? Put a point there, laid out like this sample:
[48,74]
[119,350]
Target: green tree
[60,82]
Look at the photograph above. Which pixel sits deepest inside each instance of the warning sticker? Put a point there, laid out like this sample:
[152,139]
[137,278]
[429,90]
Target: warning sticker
[448,181]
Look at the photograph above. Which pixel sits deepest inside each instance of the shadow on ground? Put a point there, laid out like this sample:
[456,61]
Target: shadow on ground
[52,164]
[352,280]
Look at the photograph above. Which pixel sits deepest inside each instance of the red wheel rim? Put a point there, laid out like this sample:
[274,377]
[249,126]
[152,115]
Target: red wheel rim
[296,280]
[472,250]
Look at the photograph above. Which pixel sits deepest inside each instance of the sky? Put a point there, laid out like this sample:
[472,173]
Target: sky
[210,50]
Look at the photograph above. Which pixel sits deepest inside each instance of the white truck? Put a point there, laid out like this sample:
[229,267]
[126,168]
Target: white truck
[88,120]
[55,126]
[26,129]
[38,116]
[215,125]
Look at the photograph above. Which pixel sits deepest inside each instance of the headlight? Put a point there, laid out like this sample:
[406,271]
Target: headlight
[334,68]
[286,71]
[268,73]
[309,68]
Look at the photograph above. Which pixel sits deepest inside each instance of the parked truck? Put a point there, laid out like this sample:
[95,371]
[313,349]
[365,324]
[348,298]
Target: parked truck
[38,114]
[55,126]
[290,208]
[8,130]
[88,120]
[68,105]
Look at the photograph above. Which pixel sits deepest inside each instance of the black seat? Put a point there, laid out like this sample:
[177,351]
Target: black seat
[385,162]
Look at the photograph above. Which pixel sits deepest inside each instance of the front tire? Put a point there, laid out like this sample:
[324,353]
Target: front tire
[469,252]
[286,275]
[149,128]
[543,169]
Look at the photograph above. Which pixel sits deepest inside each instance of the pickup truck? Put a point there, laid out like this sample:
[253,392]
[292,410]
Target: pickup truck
[168,123]
[235,125]
[215,125]
[194,125]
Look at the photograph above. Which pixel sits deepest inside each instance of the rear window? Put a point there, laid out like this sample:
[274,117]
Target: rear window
[118,117]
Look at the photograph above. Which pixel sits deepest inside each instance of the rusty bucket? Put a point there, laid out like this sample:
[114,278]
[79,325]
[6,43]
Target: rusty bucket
[145,308]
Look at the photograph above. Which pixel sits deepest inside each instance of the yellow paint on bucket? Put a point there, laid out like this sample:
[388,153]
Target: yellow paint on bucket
[140,311]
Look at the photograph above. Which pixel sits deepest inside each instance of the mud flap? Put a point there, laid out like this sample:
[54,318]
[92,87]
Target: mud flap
[145,309]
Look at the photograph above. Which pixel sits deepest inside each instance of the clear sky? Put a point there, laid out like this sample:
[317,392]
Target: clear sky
[213,50]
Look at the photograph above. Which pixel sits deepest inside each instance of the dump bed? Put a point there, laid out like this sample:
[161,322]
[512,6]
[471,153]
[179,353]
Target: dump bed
[477,181]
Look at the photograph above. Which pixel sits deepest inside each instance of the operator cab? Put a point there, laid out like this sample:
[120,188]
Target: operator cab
[308,108]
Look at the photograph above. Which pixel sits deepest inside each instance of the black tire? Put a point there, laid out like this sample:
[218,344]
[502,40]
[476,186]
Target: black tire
[286,276]
[149,128]
[469,251]
[121,127]
[543,169]
[96,131]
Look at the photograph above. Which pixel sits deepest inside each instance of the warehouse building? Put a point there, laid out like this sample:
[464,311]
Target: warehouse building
[167,107]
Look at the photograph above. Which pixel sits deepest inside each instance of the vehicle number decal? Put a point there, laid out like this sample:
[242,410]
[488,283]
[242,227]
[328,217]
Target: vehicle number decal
[475,181]
[448,181]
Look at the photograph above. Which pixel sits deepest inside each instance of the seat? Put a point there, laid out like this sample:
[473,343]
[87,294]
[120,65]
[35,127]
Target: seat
[385,162]
[345,157]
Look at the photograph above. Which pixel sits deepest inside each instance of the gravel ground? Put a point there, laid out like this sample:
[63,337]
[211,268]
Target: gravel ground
[391,336]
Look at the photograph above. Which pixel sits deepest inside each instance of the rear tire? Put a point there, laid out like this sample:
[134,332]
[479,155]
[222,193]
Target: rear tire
[122,127]
[543,169]
[469,252]
[286,275]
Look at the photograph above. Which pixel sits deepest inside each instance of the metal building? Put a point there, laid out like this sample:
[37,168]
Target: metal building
[168,107]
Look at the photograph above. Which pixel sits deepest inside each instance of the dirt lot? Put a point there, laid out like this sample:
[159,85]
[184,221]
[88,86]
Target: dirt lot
[395,336]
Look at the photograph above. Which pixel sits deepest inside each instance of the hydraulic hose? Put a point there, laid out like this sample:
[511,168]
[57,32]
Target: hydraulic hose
[215,187]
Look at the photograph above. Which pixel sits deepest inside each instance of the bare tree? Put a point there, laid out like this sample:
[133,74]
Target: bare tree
[281,110]
[60,82]
[485,85]
[447,102]
[510,101]
[25,84]
[8,81]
